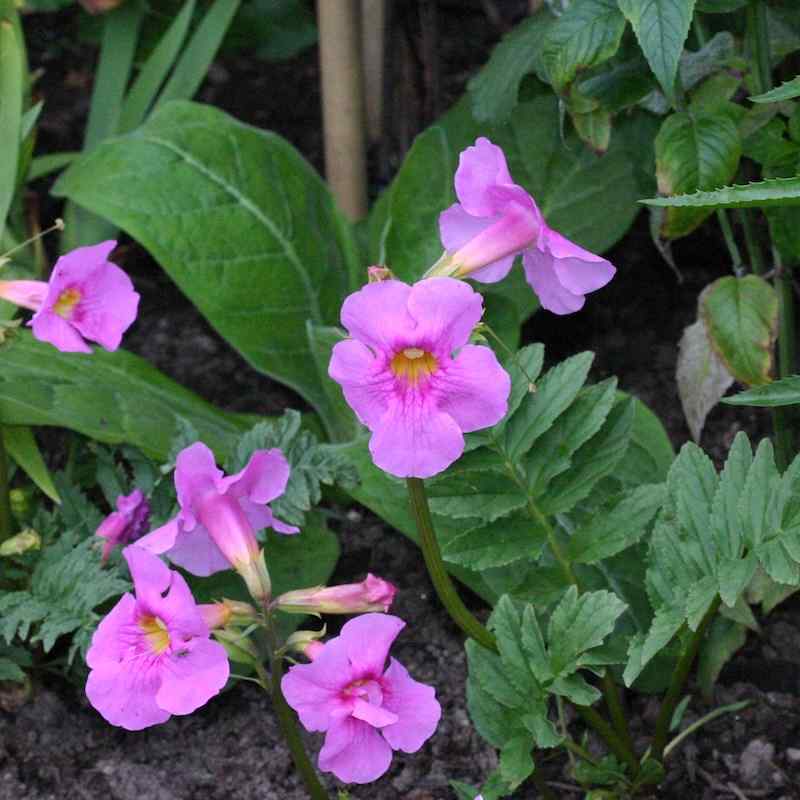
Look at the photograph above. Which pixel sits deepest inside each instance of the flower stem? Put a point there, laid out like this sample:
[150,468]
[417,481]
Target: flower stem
[291,734]
[445,589]
[609,735]
[5,503]
[679,677]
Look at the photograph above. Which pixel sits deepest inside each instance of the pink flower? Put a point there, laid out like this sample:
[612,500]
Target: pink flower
[215,528]
[225,612]
[495,220]
[87,297]
[366,709]
[127,523]
[372,594]
[410,375]
[151,656]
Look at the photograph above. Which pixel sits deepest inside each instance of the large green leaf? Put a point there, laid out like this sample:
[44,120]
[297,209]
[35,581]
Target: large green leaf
[240,222]
[761,194]
[21,445]
[112,397]
[783,392]
[694,151]
[591,200]
[661,27]
[11,94]
[786,91]
[587,33]
[741,317]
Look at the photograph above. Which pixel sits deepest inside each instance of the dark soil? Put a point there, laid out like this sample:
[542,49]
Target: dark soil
[55,746]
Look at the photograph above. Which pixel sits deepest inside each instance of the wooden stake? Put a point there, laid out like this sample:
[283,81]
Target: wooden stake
[343,103]
[373,45]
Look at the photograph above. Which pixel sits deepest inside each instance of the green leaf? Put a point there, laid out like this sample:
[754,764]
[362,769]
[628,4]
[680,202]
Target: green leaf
[774,192]
[516,763]
[701,376]
[720,6]
[586,34]
[786,91]
[741,317]
[781,392]
[22,447]
[41,166]
[112,397]
[694,151]
[650,454]
[11,93]
[554,394]
[241,223]
[500,543]
[618,526]
[724,639]
[493,91]
[769,147]
[486,494]
[661,28]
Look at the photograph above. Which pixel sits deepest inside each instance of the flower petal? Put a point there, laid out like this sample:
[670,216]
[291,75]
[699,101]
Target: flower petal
[28,294]
[374,715]
[414,439]
[190,678]
[180,612]
[480,167]
[364,378]
[474,388]
[578,270]
[263,479]
[368,638]
[109,641]
[354,752]
[416,706]
[161,539]
[446,310]
[457,226]
[77,266]
[151,576]
[49,327]
[541,274]
[196,472]
[108,306]
[197,553]
[125,694]
[376,314]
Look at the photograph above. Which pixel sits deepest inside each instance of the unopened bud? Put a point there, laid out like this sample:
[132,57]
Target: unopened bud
[227,612]
[378,273]
[24,541]
[20,502]
[238,647]
[256,576]
[372,594]
[306,643]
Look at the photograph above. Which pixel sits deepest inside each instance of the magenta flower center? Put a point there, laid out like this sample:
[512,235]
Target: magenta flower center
[367,689]
[155,633]
[67,300]
[414,365]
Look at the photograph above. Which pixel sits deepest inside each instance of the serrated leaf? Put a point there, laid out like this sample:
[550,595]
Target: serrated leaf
[698,600]
[494,90]
[587,33]
[788,90]
[741,317]
[769,147]
[781,392]
[694,151]
[774,192]
[661,27]
[516,762]
[500,543]
[554,394]
[485,494]
[644,647]
[701,376]
[617,527]
[202,179]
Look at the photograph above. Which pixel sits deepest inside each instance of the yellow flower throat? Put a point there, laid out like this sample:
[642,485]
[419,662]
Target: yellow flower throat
[413,365]
[156,633]
[66,303]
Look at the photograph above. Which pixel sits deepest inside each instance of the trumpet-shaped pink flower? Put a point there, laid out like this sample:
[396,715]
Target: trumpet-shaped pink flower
[215,528]
[87,297]
[366,709]
[371,594]
[127,523]
[151,656]
[495,220]
[410,375]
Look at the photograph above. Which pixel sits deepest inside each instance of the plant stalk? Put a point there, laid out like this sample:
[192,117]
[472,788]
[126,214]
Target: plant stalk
[5,502]
[445,589]
[677,683]
[287,720]
[609,735]
[787,358]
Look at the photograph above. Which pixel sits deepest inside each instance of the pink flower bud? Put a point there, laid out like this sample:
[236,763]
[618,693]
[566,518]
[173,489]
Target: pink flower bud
[306,643]
[218,615]
[127,523]
[378,273]
[372,594]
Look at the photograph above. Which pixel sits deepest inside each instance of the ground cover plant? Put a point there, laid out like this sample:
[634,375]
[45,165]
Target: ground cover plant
[181,548]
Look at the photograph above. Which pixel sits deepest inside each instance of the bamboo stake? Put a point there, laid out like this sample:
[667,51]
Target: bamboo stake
[373,46]
[343,104]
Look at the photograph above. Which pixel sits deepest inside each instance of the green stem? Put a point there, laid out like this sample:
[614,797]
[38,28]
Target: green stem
[447,593]
[782,418]
[676,685]
[5,502]
[754,252]
[730,242]
[287,720]
[758,35]
[616,711]
[579,751]
[615,744]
